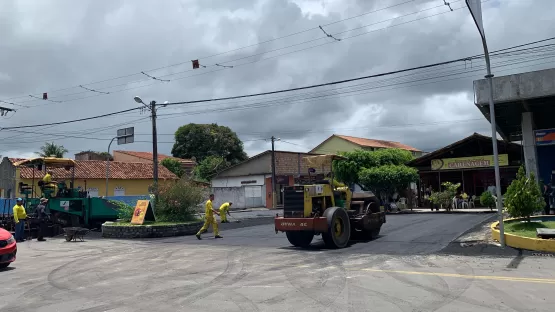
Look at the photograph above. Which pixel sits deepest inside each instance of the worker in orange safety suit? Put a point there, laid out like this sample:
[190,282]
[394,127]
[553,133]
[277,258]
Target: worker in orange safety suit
[209,219]
[224,209]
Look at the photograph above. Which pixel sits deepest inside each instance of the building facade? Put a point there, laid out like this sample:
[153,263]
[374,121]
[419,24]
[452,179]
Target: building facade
[188,165]
[469,162]
[249,184]
[343,143]
[125,178]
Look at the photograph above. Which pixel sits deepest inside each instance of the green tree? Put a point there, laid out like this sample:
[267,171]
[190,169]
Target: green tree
[387,179]
[52,150]
[523,196]
[209,167]
[366,168]
[200,141]
[174,166]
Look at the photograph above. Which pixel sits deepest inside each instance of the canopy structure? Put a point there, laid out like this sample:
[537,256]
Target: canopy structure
[50,162]
[323,160]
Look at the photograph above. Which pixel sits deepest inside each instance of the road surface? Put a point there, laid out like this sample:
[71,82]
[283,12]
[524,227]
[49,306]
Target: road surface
[253,269]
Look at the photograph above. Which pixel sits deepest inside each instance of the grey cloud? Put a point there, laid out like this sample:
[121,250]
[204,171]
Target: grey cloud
[109,39]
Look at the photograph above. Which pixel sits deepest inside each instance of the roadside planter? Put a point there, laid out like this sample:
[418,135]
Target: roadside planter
[126,230]
[525,241]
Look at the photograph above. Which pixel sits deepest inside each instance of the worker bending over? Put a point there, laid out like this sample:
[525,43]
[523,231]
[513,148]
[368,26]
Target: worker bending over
[224,209]
[209,219]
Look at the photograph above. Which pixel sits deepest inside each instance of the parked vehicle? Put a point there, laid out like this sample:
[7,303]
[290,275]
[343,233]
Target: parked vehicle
[8,248]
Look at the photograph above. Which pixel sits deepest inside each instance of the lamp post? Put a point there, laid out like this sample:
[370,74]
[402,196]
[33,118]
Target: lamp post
[152,108]
[475,8]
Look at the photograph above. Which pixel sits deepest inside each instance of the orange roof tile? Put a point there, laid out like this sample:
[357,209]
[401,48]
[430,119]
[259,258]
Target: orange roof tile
[148,155]
[377,143]
[96,169]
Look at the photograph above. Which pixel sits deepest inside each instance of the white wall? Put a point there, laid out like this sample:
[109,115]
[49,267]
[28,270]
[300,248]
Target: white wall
[236,181]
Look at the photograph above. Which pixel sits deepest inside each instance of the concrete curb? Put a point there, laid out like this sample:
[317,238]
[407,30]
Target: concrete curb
[521,242]
[111,230]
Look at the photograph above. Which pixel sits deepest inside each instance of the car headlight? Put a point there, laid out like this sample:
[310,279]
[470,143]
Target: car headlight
[10,240]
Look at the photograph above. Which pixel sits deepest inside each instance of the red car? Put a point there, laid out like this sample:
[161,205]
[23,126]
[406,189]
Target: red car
[8,248]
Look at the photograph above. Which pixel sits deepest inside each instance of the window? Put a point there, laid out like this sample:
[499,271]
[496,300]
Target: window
[119,191]
[93,191]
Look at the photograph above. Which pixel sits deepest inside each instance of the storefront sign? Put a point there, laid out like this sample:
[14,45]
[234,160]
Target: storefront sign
[248,182]
[545,137]
[468,162]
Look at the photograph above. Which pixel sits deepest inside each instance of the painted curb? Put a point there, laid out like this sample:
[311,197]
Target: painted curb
[521,242]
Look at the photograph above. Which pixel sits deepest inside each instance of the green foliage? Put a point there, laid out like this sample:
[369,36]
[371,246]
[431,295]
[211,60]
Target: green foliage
[487,199]
[52,150]
[106,156]
[523,196]
[209,167]
[200,141]
[125,212]
[173,165]
[385,180]
[445,198]
[382,171]
[179,201]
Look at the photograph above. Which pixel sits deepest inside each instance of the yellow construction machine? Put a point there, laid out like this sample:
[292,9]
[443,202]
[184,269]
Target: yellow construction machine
[335,212]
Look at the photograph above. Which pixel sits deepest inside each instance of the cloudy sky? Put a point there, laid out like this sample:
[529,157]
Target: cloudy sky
[56,45]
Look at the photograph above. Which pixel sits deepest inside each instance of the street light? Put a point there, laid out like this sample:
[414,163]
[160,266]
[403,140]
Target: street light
[152,108]
[475,8]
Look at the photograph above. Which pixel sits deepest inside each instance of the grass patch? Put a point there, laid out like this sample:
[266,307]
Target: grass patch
[527,229]
[153,223]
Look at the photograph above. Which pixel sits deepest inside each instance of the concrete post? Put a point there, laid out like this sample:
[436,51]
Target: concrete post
[529,144]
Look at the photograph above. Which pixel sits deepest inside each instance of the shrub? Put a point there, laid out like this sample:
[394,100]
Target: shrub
[125,212]
[523,196]
[179,201]
[487,200]
[445,197]
[173,165]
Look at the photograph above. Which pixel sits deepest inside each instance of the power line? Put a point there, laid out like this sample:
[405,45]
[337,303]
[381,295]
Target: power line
[229,51]
[179,78]
[245,96]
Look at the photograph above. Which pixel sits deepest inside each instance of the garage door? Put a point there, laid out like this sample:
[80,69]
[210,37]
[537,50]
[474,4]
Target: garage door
[253,196]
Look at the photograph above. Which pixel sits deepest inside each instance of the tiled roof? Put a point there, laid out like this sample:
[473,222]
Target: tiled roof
[96,169]
[14,160]
[377,143]
[148,155]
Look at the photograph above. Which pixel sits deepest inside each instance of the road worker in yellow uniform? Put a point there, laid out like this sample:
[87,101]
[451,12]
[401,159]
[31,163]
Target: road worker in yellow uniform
[47,179]
[224,209]
[209,219]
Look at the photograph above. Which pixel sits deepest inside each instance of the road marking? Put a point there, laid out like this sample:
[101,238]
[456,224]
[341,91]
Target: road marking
[483,277]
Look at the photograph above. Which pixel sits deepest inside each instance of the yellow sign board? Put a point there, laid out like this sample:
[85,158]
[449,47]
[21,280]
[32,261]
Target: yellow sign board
[468,162]
[143,212]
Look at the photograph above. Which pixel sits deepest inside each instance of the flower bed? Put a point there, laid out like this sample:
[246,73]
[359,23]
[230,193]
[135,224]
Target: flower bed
[519,237]
[161,229]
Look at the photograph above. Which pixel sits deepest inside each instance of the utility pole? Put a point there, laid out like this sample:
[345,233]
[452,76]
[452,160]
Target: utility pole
[274,199]
[152,108]
[475,8]
[154,146]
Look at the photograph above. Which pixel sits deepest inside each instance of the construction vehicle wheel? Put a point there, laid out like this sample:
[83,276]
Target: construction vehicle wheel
[339,228]
[372,205]
[300,238]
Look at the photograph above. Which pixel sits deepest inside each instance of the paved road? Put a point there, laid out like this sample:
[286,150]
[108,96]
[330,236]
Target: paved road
[253,269]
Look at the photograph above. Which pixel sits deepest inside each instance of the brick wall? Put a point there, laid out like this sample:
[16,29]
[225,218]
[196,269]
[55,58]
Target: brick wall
[288,164]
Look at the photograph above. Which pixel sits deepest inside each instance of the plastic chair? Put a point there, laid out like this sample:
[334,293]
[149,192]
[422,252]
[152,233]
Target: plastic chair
[471,203]
[402,203]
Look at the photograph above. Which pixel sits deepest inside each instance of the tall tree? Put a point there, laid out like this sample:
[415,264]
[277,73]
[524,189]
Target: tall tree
[209,167]
[200,141]
[173,165]
[52,150]
[382,171]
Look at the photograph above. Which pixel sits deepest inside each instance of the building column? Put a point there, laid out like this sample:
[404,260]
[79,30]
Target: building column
[529,144]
